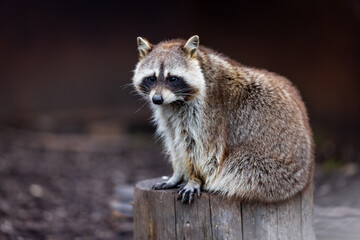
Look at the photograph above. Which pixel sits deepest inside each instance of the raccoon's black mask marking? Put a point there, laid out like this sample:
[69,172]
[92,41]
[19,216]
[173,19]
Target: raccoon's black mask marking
[175,84]
[147,84]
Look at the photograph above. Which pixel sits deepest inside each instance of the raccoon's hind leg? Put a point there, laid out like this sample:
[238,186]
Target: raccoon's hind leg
[173,182]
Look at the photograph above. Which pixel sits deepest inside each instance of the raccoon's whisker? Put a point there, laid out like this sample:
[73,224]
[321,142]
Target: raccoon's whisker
[184,94]
[135,91]
[138,95]
[140,100]
[141,107]
[183,90]
[126,85]
[180,93]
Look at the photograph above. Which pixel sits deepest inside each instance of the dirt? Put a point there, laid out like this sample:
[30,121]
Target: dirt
[62,190]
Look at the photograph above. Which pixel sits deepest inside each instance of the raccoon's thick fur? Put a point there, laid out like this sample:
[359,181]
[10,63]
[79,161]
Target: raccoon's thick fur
[229,129]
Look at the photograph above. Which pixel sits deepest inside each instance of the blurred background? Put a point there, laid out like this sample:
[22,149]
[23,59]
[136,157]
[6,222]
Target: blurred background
[71,131]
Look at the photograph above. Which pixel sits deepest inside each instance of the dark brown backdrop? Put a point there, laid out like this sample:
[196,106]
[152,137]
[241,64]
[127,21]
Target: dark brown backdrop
[73,57]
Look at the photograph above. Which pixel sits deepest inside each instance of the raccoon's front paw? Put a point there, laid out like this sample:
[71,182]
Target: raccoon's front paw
[186,193]
[164,185]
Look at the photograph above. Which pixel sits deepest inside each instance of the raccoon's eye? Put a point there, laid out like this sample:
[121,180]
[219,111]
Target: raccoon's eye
[173,79]
[151,79]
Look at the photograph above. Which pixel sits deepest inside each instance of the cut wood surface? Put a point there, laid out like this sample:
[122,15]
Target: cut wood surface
[159,215]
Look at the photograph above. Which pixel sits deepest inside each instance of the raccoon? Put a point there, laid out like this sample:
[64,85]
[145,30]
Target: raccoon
[229,129]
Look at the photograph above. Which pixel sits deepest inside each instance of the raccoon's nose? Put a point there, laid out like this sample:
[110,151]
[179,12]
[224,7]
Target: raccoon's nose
[157,99]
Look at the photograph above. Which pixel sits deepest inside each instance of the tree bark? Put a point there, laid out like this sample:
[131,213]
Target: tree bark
[159,215]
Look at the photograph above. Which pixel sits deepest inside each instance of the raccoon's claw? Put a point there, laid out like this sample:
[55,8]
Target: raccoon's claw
[186,193]
[181,185]
[163,185]
[198,191]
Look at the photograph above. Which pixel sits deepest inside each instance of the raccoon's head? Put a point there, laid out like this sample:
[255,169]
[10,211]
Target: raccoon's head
[169,71]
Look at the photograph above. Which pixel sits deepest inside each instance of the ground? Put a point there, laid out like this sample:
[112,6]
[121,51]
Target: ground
[62,186]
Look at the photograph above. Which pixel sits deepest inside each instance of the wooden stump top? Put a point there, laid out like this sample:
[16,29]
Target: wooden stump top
[159,215]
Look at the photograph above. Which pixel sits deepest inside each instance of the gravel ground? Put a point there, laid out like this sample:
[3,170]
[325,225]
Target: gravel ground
[52,187]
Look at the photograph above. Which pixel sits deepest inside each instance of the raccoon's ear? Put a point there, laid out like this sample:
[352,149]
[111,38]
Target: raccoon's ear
[192,45]
[144,47]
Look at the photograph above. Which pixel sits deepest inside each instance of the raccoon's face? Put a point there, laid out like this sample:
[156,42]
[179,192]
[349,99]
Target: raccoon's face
[169,71]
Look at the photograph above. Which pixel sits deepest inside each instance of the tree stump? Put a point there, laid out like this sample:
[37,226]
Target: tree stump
[159,215]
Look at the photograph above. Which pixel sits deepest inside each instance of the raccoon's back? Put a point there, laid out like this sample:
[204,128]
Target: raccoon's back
[266,138]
